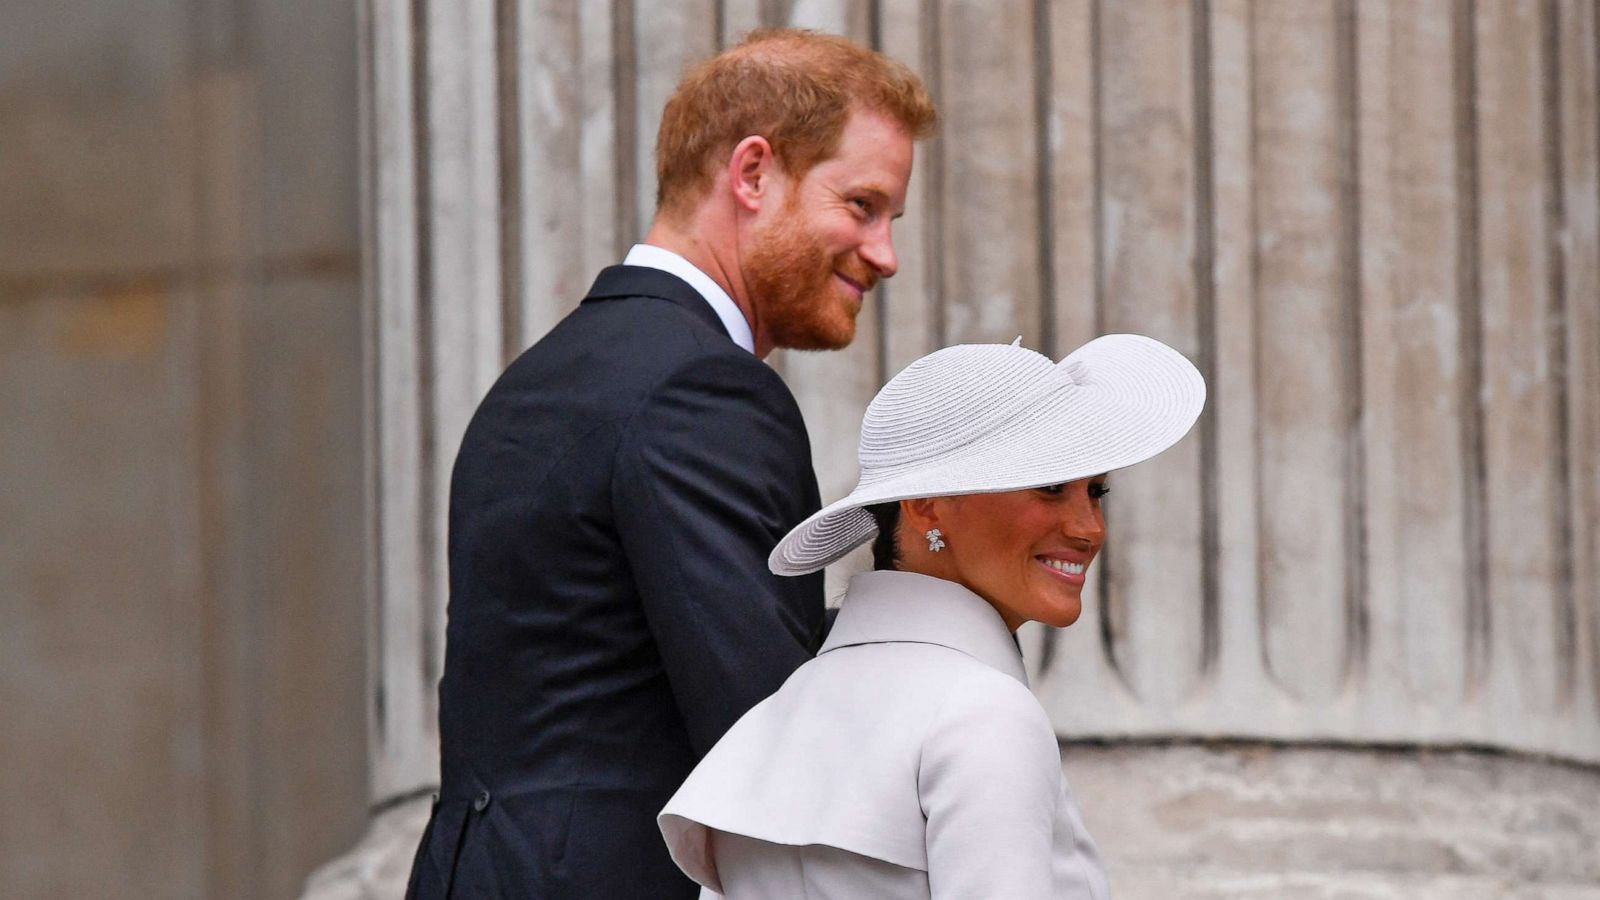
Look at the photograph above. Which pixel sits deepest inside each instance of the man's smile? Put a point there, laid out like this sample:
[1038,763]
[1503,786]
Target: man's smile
[858,287]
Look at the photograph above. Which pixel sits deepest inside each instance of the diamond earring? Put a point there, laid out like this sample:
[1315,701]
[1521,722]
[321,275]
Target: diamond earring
[935,540]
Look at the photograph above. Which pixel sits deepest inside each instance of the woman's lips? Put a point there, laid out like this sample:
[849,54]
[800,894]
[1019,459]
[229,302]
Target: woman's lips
[1067,570]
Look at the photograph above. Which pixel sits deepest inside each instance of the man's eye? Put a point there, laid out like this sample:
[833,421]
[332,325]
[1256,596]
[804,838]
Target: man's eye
[861,204]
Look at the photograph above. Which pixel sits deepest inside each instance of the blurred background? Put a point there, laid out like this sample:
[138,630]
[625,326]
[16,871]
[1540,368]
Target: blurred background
[259,260]
[182,626]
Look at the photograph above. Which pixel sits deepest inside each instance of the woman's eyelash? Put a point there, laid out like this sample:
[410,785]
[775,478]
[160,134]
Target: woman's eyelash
[1098,490]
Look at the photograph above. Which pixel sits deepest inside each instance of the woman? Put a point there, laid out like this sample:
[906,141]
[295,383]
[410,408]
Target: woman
[909,759]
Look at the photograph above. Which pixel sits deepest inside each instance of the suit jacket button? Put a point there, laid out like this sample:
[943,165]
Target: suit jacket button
[482,803]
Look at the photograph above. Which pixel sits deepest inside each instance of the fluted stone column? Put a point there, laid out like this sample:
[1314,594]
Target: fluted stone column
[1344,639]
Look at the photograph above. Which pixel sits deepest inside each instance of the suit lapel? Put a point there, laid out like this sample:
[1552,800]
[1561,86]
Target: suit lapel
[623,282]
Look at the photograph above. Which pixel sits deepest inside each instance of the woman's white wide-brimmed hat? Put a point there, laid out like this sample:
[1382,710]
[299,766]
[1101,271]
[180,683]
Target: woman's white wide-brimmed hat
[984,418]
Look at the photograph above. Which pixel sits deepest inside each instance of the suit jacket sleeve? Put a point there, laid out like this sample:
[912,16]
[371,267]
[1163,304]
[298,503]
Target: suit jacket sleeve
[711,471]
[988,780]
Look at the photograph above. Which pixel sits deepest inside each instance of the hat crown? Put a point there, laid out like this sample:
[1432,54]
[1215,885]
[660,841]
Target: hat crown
[948,399]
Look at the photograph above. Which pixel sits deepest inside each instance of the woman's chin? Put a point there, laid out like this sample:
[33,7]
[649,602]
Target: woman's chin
[1067,620]
[1062,613]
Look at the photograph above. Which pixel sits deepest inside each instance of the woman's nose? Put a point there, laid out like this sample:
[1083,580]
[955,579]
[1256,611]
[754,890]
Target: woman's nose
[1083,520]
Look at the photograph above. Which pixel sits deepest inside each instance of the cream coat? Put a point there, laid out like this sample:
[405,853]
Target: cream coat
[908,760]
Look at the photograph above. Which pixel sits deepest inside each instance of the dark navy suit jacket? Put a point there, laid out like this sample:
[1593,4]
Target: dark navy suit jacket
[611,613]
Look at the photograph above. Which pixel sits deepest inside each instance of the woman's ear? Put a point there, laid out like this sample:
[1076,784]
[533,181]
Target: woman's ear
[927,519]
[751,168]
[921,514]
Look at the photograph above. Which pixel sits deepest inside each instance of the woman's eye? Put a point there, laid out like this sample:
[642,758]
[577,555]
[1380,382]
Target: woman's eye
[1053,488]
[1097,491]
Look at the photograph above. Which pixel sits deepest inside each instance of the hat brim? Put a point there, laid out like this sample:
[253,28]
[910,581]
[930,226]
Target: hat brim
[1130,398]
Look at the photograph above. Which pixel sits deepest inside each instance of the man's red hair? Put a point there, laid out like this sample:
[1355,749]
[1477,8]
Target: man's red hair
[796,88]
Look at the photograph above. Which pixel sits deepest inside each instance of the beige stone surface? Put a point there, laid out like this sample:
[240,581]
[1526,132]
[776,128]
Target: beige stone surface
[377,867]
[1309,556]
[181,541]
[906,306]
[987,242]
[1416,388]
[98,600]
[1152,590]
[1230,820]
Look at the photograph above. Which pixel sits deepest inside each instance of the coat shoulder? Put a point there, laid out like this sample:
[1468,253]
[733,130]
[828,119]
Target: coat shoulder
[638,345]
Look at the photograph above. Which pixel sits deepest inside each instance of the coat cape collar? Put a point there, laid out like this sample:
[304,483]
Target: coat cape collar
[888,607]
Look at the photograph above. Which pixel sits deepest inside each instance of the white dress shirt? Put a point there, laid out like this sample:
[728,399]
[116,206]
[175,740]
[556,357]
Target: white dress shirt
[908,760]
[653,257]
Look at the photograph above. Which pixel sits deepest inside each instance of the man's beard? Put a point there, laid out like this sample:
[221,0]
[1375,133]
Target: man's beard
[791,281]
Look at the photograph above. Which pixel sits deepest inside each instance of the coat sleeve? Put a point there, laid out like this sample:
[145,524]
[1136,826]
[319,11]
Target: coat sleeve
[711,471]
[988,780]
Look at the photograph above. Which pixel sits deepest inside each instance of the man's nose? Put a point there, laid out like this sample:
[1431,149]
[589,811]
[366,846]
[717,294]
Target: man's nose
[878,252]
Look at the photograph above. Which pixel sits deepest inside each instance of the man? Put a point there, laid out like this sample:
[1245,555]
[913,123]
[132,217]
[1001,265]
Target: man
[619,489]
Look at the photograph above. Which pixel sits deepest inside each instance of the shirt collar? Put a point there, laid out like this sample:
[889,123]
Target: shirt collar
[885,607]
[733,320]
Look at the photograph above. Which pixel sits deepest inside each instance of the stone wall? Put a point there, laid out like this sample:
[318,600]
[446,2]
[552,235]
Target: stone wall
[1233,821]
[181,543]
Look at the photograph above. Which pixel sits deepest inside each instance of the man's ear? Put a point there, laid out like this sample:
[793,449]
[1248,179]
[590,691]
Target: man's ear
[751,169]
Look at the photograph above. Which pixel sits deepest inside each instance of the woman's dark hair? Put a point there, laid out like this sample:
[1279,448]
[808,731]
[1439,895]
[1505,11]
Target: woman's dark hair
[885,556]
